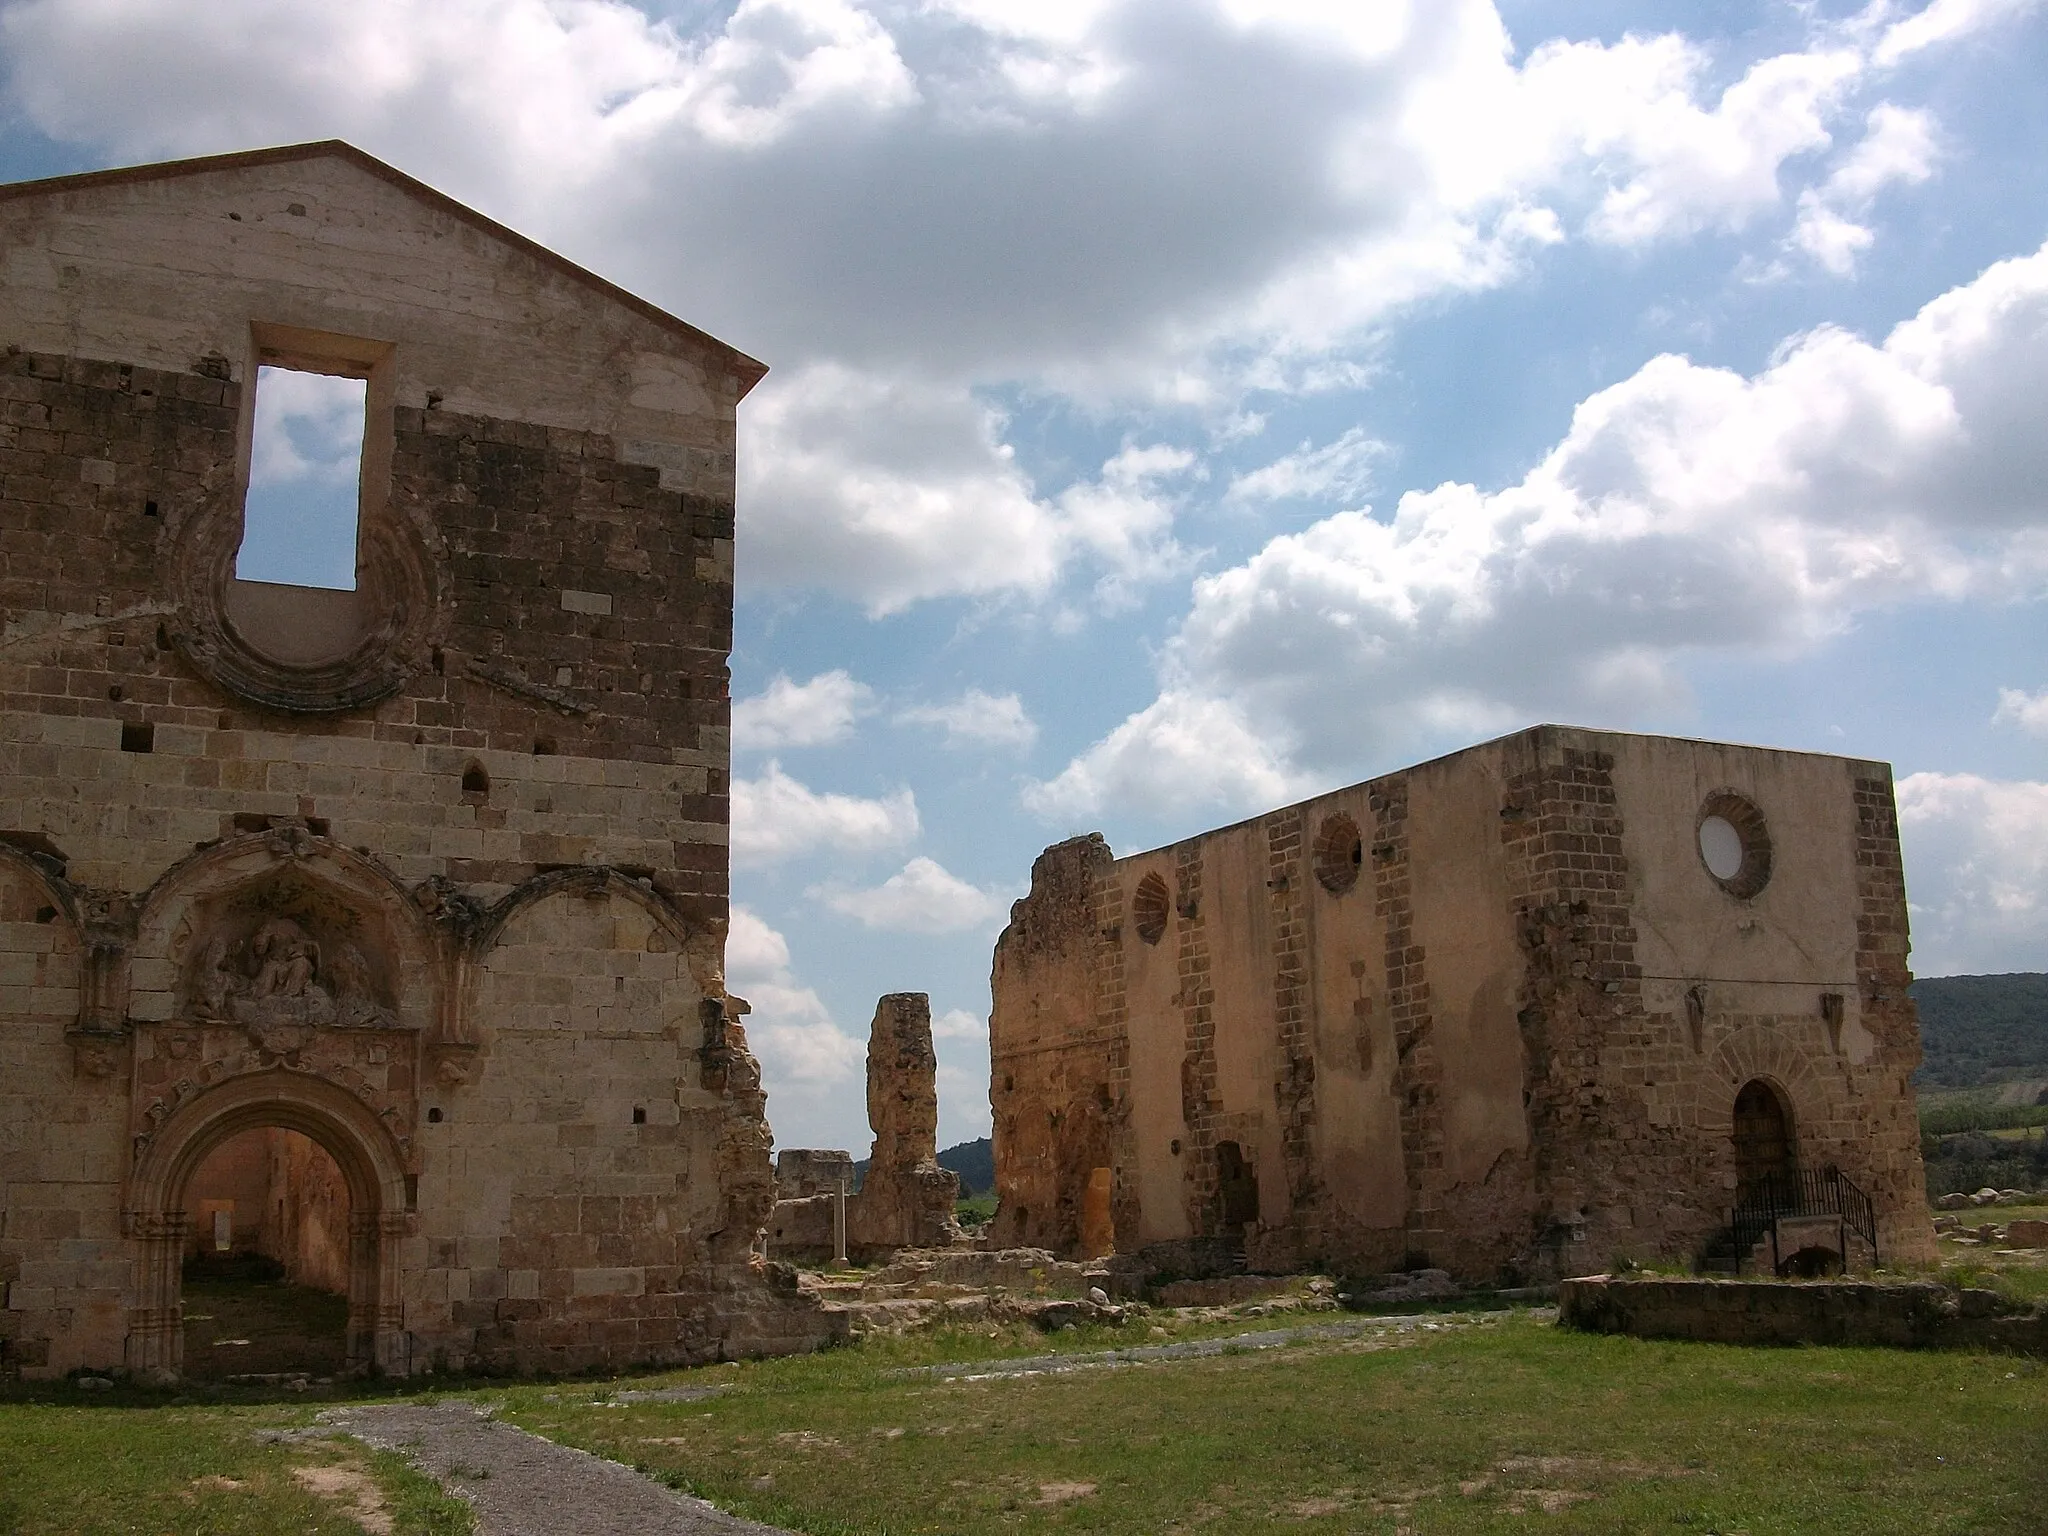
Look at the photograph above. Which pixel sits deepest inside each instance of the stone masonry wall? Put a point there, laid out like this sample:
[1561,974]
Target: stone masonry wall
[465,931]
[1053,1053]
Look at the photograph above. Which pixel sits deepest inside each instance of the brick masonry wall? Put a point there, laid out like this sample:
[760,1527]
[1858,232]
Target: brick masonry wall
[100,466]
[1892,1166]
[1908,1315]
[1631,1107]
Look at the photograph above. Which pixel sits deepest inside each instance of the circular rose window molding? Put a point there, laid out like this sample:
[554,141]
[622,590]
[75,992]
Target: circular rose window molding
[308,650]
[1734,843]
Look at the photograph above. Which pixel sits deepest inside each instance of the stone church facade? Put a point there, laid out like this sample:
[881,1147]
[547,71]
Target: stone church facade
[1517,1012]
[431,872]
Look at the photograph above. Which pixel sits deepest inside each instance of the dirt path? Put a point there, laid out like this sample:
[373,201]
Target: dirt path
[522,1485]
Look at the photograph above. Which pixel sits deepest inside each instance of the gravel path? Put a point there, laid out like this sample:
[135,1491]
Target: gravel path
[1197,1349]
[522,1485]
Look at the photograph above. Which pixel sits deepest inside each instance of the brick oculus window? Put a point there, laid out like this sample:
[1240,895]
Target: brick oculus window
[1339,854]
[1149,908]
[1734,844]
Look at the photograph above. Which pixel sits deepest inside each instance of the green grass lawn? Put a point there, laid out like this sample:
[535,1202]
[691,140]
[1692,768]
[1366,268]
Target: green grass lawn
[141,1463]
[1489,1427]
[1466,1424]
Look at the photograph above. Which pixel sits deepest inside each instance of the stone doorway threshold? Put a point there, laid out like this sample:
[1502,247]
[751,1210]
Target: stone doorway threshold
[522,1485]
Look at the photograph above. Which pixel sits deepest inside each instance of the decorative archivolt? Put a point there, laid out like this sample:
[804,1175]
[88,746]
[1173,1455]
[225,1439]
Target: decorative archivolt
[282,933]
[1757,1052]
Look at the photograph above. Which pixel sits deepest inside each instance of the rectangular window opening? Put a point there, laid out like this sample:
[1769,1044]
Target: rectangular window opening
[299,522]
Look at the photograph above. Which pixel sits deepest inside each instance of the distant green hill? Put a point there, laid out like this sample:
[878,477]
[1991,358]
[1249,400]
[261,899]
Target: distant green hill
[974,1161]
[1978,1030]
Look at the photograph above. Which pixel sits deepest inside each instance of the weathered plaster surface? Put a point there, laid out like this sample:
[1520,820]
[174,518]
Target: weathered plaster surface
[1508,1037]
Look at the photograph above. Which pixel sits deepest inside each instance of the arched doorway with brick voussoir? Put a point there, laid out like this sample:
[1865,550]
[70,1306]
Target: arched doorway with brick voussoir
[1763,1135]
[158,1216]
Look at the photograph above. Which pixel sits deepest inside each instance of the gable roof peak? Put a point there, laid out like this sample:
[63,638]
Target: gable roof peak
[750,370]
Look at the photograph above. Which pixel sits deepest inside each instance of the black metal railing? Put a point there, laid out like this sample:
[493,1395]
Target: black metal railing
[1761,1203]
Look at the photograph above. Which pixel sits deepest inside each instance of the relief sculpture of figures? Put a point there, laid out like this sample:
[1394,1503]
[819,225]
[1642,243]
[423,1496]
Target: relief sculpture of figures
[278,980]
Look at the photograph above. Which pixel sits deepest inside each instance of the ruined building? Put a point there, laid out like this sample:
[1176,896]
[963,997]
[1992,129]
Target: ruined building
[906,1199]
[426,870]
[1516,1012]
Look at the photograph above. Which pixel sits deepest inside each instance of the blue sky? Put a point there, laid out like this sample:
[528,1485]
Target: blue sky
[1179,408]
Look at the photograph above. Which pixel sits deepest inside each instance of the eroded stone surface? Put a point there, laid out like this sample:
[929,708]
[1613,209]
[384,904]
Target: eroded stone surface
[906,1200]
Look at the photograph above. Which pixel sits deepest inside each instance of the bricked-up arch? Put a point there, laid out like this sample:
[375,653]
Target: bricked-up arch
[371,1163]
[584,880]
[39,919]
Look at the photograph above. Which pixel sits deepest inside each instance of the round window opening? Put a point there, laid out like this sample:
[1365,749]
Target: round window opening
[1339,854]
[1734,844]
[1721,847]
[1149,909]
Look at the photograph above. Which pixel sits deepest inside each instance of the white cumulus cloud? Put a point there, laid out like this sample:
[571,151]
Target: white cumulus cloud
[977,718]
[1340,471]
[2028,711]
[959,1024]
[915,210]
[922,897]
[790,1029]
[776,817]
[1686,508]
[1898,147]
[813,714]
[1976,872]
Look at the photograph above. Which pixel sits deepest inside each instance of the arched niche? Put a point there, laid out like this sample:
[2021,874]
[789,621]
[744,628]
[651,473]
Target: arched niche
[372,1164]
[285,929]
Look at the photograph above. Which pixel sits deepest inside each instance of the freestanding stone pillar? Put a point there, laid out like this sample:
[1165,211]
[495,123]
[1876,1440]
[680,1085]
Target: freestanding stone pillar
[907,1199]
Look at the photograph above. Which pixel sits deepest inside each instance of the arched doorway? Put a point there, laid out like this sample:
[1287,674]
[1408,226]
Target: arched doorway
[162,1209]
[1237,1190]
[1763,1136]
[266,1268]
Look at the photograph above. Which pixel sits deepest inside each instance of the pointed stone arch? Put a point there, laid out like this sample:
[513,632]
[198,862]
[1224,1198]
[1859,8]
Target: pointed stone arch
[372,1164]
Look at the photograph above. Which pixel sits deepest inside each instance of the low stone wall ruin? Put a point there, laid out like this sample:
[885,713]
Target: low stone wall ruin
[1913,1314]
